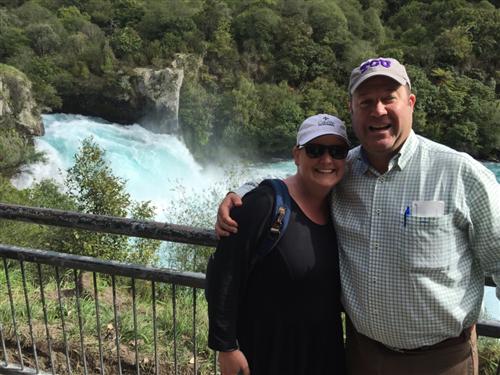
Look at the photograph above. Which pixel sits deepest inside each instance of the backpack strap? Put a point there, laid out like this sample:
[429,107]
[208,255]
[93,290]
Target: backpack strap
[280,217]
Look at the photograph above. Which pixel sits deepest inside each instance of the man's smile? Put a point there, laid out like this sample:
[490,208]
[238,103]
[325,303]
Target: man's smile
[379,127]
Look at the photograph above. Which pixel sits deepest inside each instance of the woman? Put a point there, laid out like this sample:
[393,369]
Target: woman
[281,314]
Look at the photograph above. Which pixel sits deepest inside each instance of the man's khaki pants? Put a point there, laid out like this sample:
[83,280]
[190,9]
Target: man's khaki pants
[455,356]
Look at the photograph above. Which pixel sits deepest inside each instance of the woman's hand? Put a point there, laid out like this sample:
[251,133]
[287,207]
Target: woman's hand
[232,362]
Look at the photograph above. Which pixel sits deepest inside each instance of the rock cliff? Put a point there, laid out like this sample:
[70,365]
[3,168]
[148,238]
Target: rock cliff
[18,108]
[160,90]
[141,95]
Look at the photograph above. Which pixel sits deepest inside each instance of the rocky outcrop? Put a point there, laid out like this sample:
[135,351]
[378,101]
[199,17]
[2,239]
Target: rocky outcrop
[18,108]
[148,96]
[160,92]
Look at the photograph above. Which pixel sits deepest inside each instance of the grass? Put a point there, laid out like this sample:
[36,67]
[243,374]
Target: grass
[489,355]
[144,306]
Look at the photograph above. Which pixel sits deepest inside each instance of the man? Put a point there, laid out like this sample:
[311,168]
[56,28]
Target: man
[418,226]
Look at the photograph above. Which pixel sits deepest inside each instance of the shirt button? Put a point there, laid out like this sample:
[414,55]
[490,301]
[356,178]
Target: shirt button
[375,245]
[378,211]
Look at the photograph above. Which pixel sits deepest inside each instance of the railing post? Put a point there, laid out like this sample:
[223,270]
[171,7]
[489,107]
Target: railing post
[80,322]
[13,313]
[63,323]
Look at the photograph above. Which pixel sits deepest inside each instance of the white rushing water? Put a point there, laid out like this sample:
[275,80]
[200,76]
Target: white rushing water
[157,168]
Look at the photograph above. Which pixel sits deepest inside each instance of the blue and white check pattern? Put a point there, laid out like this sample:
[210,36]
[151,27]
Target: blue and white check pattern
[412,285]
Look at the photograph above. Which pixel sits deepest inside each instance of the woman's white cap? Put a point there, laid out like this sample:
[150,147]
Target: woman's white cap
[318,125]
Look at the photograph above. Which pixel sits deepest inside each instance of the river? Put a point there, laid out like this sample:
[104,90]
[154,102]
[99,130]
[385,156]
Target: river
[159,168]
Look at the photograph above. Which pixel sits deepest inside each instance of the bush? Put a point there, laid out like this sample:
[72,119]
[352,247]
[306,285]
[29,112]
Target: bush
[94,189]
[15,151]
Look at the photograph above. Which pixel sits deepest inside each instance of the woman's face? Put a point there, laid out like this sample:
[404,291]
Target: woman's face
[315,164]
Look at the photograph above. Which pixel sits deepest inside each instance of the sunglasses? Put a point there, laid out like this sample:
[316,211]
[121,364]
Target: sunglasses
[314,150]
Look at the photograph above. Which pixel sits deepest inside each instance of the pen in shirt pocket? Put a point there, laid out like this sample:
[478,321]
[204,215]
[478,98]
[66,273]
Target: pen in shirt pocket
[406,214]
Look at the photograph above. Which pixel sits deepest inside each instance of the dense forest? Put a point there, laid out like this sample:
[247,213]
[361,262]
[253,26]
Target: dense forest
[263,65]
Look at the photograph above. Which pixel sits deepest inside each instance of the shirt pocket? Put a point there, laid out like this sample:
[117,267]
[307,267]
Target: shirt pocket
[430,243]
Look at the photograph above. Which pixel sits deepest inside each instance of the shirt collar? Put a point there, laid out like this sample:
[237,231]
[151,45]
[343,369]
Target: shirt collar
[359,161]
[360,164]
[407,150]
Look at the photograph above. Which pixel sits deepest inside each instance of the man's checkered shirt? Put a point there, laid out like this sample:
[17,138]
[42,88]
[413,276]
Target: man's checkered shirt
[413,284]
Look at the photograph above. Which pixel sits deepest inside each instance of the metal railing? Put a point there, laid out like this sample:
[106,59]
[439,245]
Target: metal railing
[59,262]
[28,343]
[115,319]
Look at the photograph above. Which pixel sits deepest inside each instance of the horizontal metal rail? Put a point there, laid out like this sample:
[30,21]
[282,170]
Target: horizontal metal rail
[109,224]
[108,267]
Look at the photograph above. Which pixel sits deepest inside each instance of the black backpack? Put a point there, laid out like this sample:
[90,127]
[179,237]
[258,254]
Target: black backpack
[279,222]
[279,219]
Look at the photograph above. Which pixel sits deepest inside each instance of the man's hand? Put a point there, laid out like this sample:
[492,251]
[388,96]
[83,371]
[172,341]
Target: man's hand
[225,225]
[232,362]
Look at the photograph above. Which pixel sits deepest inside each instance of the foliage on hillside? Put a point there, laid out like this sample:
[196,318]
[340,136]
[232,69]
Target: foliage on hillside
[267,63]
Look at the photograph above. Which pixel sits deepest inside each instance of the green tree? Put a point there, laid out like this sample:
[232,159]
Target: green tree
[46,76]
[374,30]
[454,46]
[324,96]
[354,15]
[222,55]
[298,57]
[15,151]
[276,132]
[242,112]
[457,110]
[42,194]
[92,184]
[167,16]
[255,33]
[12,36]
[72,19]
[32,12]
[211,16]
[43,38]
[330,25]
[196,116]
[128,12]
[264,120]
[94,189]
[125,42]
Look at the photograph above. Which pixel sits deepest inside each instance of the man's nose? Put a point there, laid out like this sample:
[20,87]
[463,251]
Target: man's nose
[379,109]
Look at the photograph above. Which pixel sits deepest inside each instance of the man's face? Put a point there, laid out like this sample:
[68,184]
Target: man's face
[382,111]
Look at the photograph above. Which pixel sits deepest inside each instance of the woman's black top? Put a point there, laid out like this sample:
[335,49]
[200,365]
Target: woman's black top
[284,311]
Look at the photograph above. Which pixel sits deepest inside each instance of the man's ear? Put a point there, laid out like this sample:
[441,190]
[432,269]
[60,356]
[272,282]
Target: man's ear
[412,99]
